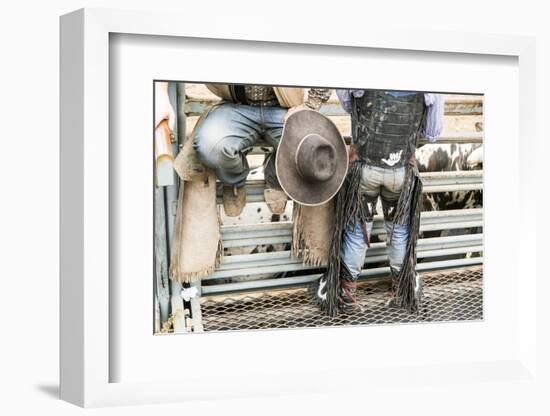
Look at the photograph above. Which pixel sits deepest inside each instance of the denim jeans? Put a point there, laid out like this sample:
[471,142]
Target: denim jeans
[229,131]
[387,184]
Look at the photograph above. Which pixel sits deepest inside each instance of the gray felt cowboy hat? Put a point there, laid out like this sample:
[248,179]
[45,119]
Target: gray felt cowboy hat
[312,159]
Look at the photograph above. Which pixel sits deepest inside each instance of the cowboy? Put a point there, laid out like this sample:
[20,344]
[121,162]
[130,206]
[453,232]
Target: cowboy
[246,114]
[385,128]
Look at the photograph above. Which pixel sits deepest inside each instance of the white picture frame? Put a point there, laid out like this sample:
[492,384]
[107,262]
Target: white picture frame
[85,352]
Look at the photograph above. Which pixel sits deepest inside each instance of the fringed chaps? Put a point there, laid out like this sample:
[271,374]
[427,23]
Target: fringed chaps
[312,233]
[326,291]
[348,209]
[408,206]
[197,247]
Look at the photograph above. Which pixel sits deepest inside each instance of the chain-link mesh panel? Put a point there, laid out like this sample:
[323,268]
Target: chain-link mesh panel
[450,295]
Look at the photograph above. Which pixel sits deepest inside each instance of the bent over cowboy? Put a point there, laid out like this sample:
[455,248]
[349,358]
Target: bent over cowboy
[385,129]
[247,114]
[217,148]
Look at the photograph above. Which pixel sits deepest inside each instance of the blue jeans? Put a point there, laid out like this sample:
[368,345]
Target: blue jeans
[229,131]
[387,184]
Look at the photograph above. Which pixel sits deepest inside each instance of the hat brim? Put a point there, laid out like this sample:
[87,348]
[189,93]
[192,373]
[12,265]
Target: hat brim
[297,126]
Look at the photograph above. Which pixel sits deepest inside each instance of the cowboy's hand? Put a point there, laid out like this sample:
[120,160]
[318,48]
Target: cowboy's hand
[163,107]
[293,110]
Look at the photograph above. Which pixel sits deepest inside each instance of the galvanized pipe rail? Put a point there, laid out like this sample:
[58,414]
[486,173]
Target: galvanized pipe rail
[285,282]
[454,106]
[288,264]
[281,232]
[474,137]
[281,261]
[433,182]
[248,265]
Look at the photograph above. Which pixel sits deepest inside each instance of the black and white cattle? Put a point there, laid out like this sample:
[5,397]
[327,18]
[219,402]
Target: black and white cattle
[450,158]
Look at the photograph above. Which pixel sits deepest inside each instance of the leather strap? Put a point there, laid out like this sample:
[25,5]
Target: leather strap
[240,94]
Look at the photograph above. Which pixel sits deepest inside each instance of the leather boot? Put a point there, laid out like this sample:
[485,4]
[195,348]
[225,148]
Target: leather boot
[275,200]
[418,290]
[348,290]
[234,200]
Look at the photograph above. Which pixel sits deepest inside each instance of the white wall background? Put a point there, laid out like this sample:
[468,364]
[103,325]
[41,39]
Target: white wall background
[29,116]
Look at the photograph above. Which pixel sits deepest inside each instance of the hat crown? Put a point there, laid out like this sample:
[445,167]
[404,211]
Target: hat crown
[312,159]
[315,158]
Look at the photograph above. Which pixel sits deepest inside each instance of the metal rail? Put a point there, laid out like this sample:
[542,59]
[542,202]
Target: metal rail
[457,138]
[281,232]
[303,280]
[462,106]
[433,182]
[262,147]
[293,265]
[247,266]
[235,261]
[281,261]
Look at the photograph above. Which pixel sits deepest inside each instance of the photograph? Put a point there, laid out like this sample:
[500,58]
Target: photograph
[224,209]
[280,207]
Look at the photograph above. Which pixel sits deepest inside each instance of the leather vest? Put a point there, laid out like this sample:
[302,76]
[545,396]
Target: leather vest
[385,128]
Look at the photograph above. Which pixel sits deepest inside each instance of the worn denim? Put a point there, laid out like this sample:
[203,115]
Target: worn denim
[228,133]
[387,184]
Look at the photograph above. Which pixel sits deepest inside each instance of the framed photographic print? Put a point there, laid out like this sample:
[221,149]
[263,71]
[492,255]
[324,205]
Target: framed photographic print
[239,211]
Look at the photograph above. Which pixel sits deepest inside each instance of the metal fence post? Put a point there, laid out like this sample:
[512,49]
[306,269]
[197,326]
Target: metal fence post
[161,256]
[196,308]
[178,309]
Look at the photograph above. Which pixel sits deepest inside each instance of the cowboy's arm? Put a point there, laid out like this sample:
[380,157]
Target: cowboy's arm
[316,97]
[163,107]
[345,97]
[433,120]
